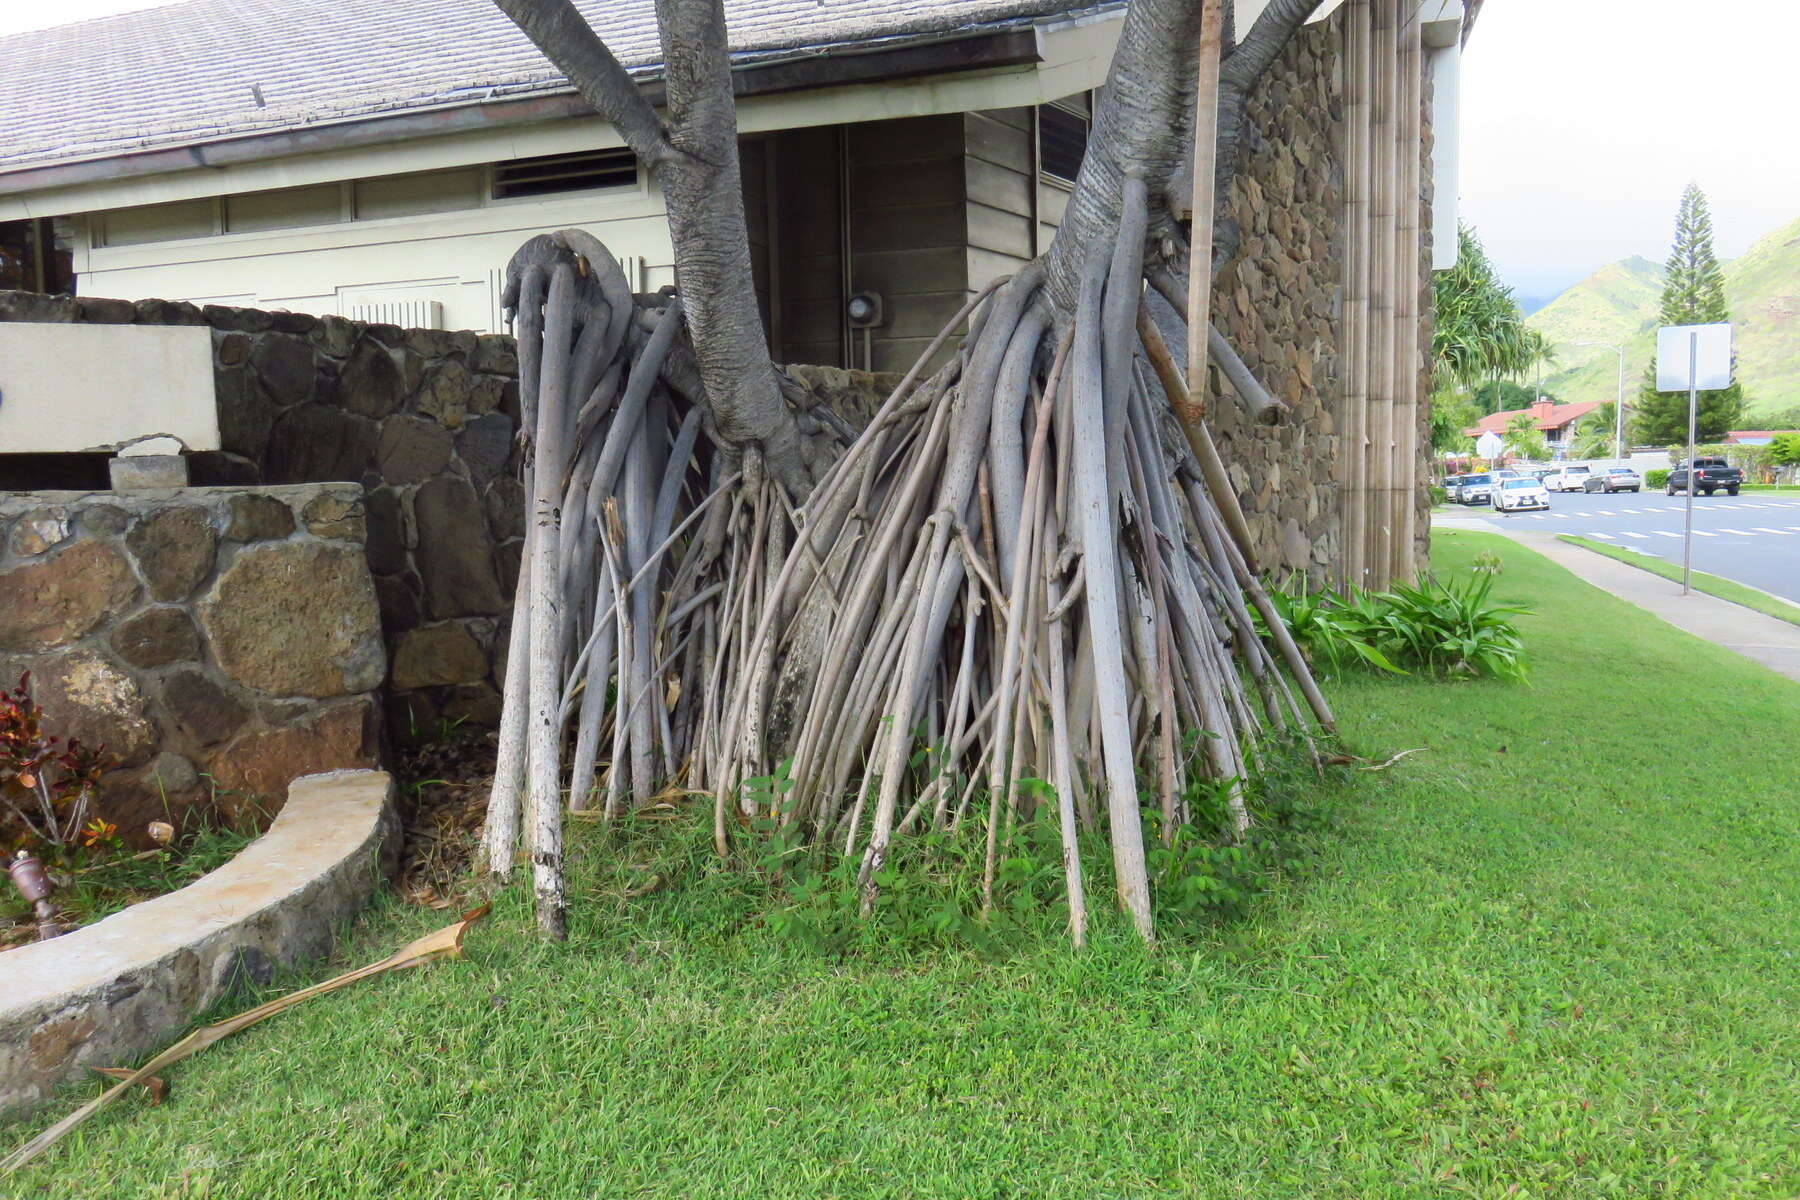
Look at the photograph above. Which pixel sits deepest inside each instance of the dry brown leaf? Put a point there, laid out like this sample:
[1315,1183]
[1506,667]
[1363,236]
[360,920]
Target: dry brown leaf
[154,1084]
[1390,762]
[653,884]
[445,943]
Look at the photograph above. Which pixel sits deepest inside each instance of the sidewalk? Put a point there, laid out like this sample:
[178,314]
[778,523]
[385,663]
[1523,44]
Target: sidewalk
[1774,644]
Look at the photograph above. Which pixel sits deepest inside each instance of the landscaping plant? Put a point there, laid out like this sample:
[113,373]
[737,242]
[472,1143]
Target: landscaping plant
[47,782]
[1450,628]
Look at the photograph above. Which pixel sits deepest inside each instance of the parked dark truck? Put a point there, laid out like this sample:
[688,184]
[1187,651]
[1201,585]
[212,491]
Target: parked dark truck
[1710,474]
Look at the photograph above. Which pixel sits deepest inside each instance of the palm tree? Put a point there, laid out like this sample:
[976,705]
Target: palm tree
[1481,335]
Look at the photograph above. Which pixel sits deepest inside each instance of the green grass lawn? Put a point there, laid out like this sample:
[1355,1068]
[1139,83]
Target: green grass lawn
[1552,955]
[1712,585]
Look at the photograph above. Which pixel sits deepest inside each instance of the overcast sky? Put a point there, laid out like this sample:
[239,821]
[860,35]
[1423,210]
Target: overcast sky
[1582,122]
[1584,119]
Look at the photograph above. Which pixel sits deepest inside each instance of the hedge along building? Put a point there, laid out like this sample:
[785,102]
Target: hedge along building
[380,160]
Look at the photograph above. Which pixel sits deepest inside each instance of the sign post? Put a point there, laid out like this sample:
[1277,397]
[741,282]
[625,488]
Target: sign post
[1692,358]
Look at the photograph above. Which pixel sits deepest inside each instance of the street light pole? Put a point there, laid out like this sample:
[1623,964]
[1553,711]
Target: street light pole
[1618,402]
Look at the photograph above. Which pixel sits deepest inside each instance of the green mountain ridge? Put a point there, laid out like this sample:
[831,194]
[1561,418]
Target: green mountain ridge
[1618,303]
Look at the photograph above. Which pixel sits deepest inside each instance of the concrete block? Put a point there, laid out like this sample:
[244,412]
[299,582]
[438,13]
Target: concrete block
[147,471]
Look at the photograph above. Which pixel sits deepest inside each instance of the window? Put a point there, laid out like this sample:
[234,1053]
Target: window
[419,192]
[284,208]
[549,174]
[157,223]
[1062,140]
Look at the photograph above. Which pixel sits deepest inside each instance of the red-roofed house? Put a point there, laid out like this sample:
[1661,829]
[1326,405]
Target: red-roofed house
[1555,421]
[1755,437]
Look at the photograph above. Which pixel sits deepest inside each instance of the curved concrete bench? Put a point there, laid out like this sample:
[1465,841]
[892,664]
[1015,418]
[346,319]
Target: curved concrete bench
[108,992]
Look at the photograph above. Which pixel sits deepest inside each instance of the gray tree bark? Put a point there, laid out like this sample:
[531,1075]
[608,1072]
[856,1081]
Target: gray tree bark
[693,157]
[1144,125]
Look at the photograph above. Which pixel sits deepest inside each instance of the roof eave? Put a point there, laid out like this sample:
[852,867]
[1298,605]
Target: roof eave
[1009,44]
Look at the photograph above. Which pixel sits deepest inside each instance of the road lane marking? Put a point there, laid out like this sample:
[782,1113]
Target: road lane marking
[1736,532]
[1697,533]
[1609,537]
[1766,529]
[1666,533]
[1642,537]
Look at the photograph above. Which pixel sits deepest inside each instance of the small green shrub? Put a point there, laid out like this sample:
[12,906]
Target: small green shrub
[1655,479]
[1333,632]
[1439,495]
[1453,628]
[1438,627]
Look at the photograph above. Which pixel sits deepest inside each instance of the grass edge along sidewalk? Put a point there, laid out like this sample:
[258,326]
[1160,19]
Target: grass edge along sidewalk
[1550,956]
[1713,585]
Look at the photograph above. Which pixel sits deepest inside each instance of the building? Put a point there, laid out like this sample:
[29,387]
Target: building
[376,162]
[381,159]
[1555,421]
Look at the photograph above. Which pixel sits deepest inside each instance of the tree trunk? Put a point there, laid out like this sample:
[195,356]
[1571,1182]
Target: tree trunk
[694,160]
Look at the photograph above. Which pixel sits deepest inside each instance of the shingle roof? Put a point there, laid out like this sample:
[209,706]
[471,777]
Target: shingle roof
[204,69]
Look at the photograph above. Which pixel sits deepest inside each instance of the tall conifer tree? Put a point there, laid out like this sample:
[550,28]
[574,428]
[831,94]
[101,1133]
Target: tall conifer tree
[1693,294]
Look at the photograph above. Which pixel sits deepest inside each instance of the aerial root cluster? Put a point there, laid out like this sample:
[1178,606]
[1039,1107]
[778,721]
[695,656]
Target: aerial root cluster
[1018,564]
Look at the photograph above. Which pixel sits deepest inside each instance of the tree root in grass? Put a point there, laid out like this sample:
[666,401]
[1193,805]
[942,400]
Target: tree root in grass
[1018,561]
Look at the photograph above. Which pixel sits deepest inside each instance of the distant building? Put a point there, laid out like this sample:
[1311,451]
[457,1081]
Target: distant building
[1555,421]
[1755,437]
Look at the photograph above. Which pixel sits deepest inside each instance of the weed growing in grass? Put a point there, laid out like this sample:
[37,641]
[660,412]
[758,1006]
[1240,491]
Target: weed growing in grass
[931,896]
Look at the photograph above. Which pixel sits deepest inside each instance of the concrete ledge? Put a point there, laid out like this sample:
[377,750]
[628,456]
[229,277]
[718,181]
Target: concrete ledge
[111,991]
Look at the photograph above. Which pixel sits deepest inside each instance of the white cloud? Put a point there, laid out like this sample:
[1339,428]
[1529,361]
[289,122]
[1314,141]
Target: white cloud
[1584,119]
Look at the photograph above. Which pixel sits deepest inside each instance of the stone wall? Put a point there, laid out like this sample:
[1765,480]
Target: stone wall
[425,420]
[1277,301]
[218,641]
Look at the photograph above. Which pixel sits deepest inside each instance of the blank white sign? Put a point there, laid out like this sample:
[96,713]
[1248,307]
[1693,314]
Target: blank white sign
[1709,348]
[66,388]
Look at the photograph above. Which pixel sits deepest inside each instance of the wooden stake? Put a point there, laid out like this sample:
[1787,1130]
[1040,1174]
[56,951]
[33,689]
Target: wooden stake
[1200,234]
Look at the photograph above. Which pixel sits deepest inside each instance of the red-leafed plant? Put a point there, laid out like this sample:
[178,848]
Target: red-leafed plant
[46,782]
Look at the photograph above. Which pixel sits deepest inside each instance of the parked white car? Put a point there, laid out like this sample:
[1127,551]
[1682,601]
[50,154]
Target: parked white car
[1519,495]
[1569,479]
[1475,489]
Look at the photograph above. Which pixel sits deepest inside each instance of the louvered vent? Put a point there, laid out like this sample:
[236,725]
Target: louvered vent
[548,174]
[1062,141]
[407,314]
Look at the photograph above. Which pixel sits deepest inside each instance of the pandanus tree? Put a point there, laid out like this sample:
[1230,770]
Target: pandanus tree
[1028,560]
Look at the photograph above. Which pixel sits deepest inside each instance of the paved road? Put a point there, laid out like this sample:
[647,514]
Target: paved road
[1753,538]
